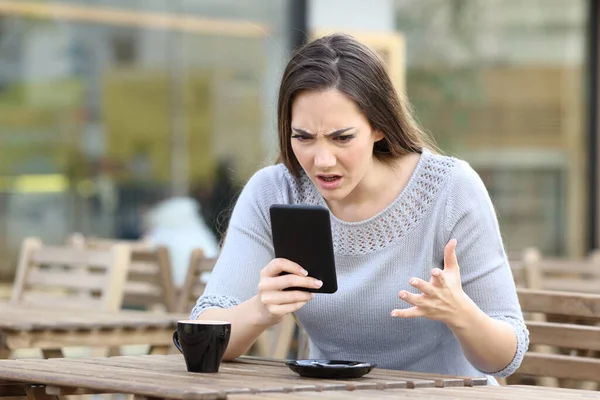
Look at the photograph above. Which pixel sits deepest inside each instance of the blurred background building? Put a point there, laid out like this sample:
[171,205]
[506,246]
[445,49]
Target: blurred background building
[108,107]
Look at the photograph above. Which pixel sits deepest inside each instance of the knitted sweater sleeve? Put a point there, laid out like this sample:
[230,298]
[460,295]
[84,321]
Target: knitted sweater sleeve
[485,272]
[247,247]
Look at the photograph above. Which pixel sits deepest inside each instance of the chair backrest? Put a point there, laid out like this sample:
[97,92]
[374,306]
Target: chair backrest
[566,336]
[561,274]
[67,277]
[149,283]
[199,270]
[150,280]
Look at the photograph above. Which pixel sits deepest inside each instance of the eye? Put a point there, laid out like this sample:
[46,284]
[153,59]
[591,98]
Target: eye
[300,137]
[344,138]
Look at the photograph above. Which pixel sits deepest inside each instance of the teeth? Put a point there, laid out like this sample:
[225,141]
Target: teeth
[329,179]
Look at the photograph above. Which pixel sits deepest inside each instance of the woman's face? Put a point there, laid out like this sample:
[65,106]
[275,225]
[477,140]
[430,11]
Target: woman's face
[332,141]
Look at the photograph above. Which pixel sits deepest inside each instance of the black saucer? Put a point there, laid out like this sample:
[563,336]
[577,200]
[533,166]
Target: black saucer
[330,369]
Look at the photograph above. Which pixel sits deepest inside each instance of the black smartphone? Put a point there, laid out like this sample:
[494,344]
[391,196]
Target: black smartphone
[302,234]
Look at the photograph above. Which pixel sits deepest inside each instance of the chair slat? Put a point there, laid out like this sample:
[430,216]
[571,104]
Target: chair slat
[66,279]
[564,335]
[145,268]
[72,257]
[581,285]
[561,366]
[568,266]
[61,300]
[564,303]
[142,288]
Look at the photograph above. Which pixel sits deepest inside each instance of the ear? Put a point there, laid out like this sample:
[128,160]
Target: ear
[377,135]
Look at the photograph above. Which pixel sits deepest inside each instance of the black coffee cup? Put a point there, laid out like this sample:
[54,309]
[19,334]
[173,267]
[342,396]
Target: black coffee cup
[202,343]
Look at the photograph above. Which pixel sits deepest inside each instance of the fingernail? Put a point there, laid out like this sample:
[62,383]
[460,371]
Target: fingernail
[318,283]
[413,282]
[436,272]
[312,295]
[402,295]
[304,272]
[393,314]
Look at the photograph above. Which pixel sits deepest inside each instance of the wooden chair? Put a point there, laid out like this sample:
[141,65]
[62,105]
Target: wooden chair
[196,279]
[67,277]
[149,284]
[563,363]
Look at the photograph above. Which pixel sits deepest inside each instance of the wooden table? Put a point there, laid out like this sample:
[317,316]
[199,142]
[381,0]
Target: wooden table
[51,329]
[165,376]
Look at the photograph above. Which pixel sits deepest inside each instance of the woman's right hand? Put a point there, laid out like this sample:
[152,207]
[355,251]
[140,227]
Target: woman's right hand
[278,302]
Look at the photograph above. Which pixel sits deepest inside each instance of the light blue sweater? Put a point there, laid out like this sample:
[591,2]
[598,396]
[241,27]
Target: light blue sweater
[444,199]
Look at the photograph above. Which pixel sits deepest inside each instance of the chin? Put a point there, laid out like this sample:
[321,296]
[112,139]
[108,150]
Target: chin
[333,195]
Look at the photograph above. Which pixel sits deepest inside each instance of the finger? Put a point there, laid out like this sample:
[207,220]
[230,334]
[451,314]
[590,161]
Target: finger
[412,312]
[286,297]
[411,298]
[437,278]
[425,287]
[279,265]
[283,309]
[287,281]
[450,261]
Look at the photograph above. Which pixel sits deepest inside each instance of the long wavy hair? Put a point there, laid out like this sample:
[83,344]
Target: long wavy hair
[341,62]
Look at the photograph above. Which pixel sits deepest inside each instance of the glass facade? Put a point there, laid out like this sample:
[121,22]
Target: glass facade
[107,106]
[500,83]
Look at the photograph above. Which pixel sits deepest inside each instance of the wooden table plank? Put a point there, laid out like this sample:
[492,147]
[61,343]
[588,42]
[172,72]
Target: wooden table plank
[419,379]
[74,373]
[481,392]
[107,384]
[79,371]
[174,365]
[280,378]
[176,374]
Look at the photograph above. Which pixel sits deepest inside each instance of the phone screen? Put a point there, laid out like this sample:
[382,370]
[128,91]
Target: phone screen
[302,234]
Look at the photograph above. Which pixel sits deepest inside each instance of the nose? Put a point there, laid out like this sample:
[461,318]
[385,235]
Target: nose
[324,157]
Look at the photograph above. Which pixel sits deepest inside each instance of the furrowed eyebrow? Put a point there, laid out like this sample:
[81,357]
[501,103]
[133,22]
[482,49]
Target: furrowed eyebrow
[332,134]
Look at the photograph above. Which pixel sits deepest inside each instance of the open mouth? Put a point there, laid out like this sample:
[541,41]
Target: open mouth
[329,182]
[331,178]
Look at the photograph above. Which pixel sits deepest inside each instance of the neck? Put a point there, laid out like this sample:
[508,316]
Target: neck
[366,198]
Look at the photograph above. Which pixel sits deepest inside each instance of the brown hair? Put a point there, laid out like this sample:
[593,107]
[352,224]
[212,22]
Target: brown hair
[341,62]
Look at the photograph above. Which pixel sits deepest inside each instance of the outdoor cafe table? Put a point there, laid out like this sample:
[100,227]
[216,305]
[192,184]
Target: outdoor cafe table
[52,329]
[166,377]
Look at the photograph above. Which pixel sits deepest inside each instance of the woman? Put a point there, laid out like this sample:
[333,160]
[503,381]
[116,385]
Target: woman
[403,220]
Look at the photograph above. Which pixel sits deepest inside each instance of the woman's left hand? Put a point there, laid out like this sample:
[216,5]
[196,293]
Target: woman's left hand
[442,298]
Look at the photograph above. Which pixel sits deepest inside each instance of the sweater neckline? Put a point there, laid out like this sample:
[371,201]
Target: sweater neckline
[394,221]
[425,153]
